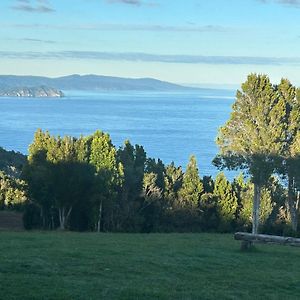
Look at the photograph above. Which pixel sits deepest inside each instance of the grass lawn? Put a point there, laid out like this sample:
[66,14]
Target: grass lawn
[64,265]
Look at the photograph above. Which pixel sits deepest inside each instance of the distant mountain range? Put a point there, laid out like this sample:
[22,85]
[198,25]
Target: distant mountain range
[90,83]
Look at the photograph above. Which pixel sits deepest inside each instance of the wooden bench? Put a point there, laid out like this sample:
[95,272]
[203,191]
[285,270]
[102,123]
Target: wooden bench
[248,239]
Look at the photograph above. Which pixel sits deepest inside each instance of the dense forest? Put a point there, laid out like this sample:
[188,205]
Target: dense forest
[87,184]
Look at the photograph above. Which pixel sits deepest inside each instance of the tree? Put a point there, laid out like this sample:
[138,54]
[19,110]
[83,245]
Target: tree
[192,187]
[109,172]
[173,183]
[227,202]
[12,162]
[158,168]
[12,191]
[133,160]
[38,175]
[288,137]
[151,206]
[72,182]
[248,140]
[244,190]
[56,179]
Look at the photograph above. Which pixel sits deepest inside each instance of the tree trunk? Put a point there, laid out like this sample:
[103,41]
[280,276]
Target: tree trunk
[99,217]
[292,204]
[255,211]
[61,213]
[63,217]
[266,239]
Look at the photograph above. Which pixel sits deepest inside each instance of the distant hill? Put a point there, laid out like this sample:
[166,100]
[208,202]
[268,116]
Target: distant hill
[90,83]
[35,92]
[12,162]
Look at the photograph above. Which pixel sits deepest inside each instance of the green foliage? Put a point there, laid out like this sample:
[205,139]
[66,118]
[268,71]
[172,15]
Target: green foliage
[288,133]
[192,187]
[31,216]
[133,161]
[157,168]
[56,179]
[247,140]
[85,183]
[12,162]
[260,136]
[151,191]
[227,202]
[173,182]
[151,207]
[108,174]
[246,201]
[12,191]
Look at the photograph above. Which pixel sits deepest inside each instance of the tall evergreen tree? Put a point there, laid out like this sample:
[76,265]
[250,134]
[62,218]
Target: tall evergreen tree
[158,168]
[288,128]
[227,202]
[248,139]
[192,187]
[173,183]
[133,160]
[151,207]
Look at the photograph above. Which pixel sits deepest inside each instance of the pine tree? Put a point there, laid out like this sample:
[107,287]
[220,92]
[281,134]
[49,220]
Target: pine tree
[192,187]
[173,182]
[133,160]
[288,132]
[227,202]
[248,139]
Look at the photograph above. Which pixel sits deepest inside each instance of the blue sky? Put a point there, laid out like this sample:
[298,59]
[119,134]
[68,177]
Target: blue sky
[191,41]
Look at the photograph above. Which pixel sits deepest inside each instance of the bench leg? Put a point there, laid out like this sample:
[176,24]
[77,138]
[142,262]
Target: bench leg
[246,245]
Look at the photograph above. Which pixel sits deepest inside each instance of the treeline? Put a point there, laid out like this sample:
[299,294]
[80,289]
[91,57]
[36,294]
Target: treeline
[87,184]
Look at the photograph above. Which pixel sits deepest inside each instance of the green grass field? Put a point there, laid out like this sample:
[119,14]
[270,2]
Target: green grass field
[58,265]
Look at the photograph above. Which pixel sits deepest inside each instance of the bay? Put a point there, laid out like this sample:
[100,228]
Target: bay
[170,126]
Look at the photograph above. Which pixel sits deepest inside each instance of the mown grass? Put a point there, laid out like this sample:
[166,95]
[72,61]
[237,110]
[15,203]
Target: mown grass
[65,265]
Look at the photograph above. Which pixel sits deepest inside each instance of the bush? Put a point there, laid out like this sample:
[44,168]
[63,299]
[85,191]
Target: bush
[31,217]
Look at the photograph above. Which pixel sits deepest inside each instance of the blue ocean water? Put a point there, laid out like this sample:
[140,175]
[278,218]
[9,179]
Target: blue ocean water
[170,126]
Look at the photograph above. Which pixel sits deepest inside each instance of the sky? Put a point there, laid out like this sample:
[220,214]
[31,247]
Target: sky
[182,41]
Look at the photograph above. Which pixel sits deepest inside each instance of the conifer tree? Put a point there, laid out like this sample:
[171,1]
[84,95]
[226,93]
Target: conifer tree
[133,160]
[248,139]
[288,132]
[173,182]
[227,202]
[192,187]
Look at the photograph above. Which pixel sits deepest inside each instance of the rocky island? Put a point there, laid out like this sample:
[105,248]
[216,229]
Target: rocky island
[32,92]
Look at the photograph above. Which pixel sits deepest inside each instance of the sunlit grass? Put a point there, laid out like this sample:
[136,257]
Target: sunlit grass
[58,265]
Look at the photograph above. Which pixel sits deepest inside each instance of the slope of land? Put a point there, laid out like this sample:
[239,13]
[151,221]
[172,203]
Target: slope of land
[91,83]
[12,162]
[65,265]
[35,92]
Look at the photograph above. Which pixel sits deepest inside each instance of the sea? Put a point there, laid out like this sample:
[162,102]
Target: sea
[169,125]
